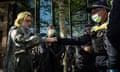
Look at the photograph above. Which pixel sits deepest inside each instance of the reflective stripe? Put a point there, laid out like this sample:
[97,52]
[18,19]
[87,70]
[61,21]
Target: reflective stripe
[101,27]
[20,51]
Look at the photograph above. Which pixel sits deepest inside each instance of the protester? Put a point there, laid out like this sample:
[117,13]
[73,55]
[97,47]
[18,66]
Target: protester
[21,40]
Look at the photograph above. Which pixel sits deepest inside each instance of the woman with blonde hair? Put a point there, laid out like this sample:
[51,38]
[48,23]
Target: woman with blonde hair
[21,40]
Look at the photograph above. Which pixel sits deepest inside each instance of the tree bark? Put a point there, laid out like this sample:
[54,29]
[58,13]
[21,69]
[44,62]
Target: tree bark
[62,26]
[60,4]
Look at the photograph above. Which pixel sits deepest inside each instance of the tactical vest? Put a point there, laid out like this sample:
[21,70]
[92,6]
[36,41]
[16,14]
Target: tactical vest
[98,35]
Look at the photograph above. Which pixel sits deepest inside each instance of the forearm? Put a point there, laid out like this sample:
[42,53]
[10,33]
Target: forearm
[24,41]
[79,41]
[68,41]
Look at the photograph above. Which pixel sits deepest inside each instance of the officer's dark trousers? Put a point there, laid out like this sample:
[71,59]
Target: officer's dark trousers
[101,65]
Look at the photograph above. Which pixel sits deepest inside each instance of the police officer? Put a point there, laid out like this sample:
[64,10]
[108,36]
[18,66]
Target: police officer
[20,42]
[99,14]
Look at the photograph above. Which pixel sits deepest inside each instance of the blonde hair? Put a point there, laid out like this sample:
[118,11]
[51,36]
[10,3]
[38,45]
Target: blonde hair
[20,17]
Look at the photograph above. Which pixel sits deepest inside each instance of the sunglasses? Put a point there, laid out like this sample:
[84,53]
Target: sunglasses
[28,20]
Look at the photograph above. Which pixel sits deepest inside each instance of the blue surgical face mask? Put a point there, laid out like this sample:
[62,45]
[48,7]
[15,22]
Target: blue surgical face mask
[96,18]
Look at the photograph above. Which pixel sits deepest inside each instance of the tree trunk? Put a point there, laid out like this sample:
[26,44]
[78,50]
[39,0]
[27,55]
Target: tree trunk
[62,19]
[62,30]
[62,26]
